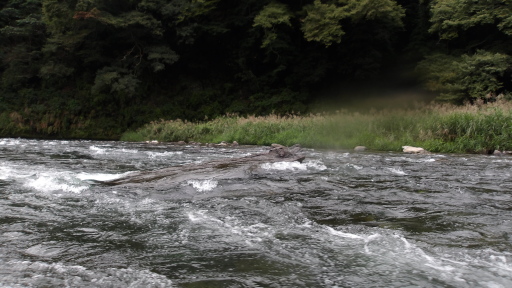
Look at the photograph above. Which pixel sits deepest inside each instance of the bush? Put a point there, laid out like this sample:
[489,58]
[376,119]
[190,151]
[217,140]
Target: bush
[468,77]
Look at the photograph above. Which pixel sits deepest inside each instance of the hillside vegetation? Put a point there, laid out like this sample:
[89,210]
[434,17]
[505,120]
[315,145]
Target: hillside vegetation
[94,69]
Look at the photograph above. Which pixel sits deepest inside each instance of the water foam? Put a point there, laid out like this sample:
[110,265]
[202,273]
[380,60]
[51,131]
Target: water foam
[296,166]
[203,185]
[60,181]
[397,171]
[284,166]
[41,179]
[97,149]
[353,166]
[316,164]
[381,250]
[153,155]
[38,274]
[343,234]
[132,151]
[231,229]
[201,216]
[33,178]
[11,142]
[100,176]
[5,172]
[104,150]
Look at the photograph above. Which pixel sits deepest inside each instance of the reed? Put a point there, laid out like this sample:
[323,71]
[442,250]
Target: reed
[438,128]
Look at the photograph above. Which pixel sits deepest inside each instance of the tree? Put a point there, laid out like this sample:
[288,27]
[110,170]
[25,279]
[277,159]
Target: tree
[466,77]
[322,21]
[451,18]
[21,33]
[473,59]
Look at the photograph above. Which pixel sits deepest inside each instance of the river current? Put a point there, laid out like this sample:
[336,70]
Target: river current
[339,219]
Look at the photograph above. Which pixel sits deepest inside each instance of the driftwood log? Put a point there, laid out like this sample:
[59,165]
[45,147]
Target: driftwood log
[277,153]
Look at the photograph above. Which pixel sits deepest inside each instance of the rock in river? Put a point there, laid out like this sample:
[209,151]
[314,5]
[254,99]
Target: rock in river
[177,174]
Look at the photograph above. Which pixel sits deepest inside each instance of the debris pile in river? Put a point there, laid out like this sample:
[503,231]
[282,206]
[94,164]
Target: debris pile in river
[277,153]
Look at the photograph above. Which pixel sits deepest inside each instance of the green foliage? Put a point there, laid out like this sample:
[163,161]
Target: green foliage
[161,55]
[115,80]
[451,17]
[51,69]
[483,131]
[387,12]
[21,28]
[269,18]
[322,23]
[279,102]
[57,15]
[482,74]
[133,19]
[467,129]
[22,32]
[124,63]
[467,77]
[189,9]
[273,14]
[479,67]
[19,67]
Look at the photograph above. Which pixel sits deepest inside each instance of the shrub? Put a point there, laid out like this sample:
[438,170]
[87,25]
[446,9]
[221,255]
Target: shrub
[468,77]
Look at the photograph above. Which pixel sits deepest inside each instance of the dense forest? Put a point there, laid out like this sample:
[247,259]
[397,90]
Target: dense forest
[93,69]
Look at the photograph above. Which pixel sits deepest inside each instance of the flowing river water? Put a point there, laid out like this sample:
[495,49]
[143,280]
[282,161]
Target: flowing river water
[339,219]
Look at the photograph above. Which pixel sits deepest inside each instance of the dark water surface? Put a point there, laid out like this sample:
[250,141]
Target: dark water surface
[340,219]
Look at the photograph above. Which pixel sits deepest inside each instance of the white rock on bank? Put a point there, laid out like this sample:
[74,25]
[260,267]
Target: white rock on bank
[414,150]
[360,148]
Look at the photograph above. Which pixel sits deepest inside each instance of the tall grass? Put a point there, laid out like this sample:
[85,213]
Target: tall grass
[460,129]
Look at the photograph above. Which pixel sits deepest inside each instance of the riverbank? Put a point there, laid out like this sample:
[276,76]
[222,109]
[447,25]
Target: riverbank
[437,128]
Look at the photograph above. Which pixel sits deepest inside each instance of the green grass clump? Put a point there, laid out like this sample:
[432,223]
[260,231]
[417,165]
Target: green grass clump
[471,129]
[458,129]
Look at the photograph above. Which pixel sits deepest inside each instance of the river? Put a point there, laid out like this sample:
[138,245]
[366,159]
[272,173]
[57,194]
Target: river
[339,219]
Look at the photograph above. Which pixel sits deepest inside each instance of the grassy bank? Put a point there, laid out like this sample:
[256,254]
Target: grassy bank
[438,128]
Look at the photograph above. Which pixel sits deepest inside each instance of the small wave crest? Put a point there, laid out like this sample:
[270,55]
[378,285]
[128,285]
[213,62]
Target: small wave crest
[397,171]
[393,251]
[11,142]
[5,172]
[232,229]
[203,185]
[60,181]
[39,274]
[100,176]
[105,150]
[49,180]
[316,165]
[153,155]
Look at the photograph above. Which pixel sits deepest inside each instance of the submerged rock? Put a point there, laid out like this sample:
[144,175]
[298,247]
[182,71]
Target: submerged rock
[277,153]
